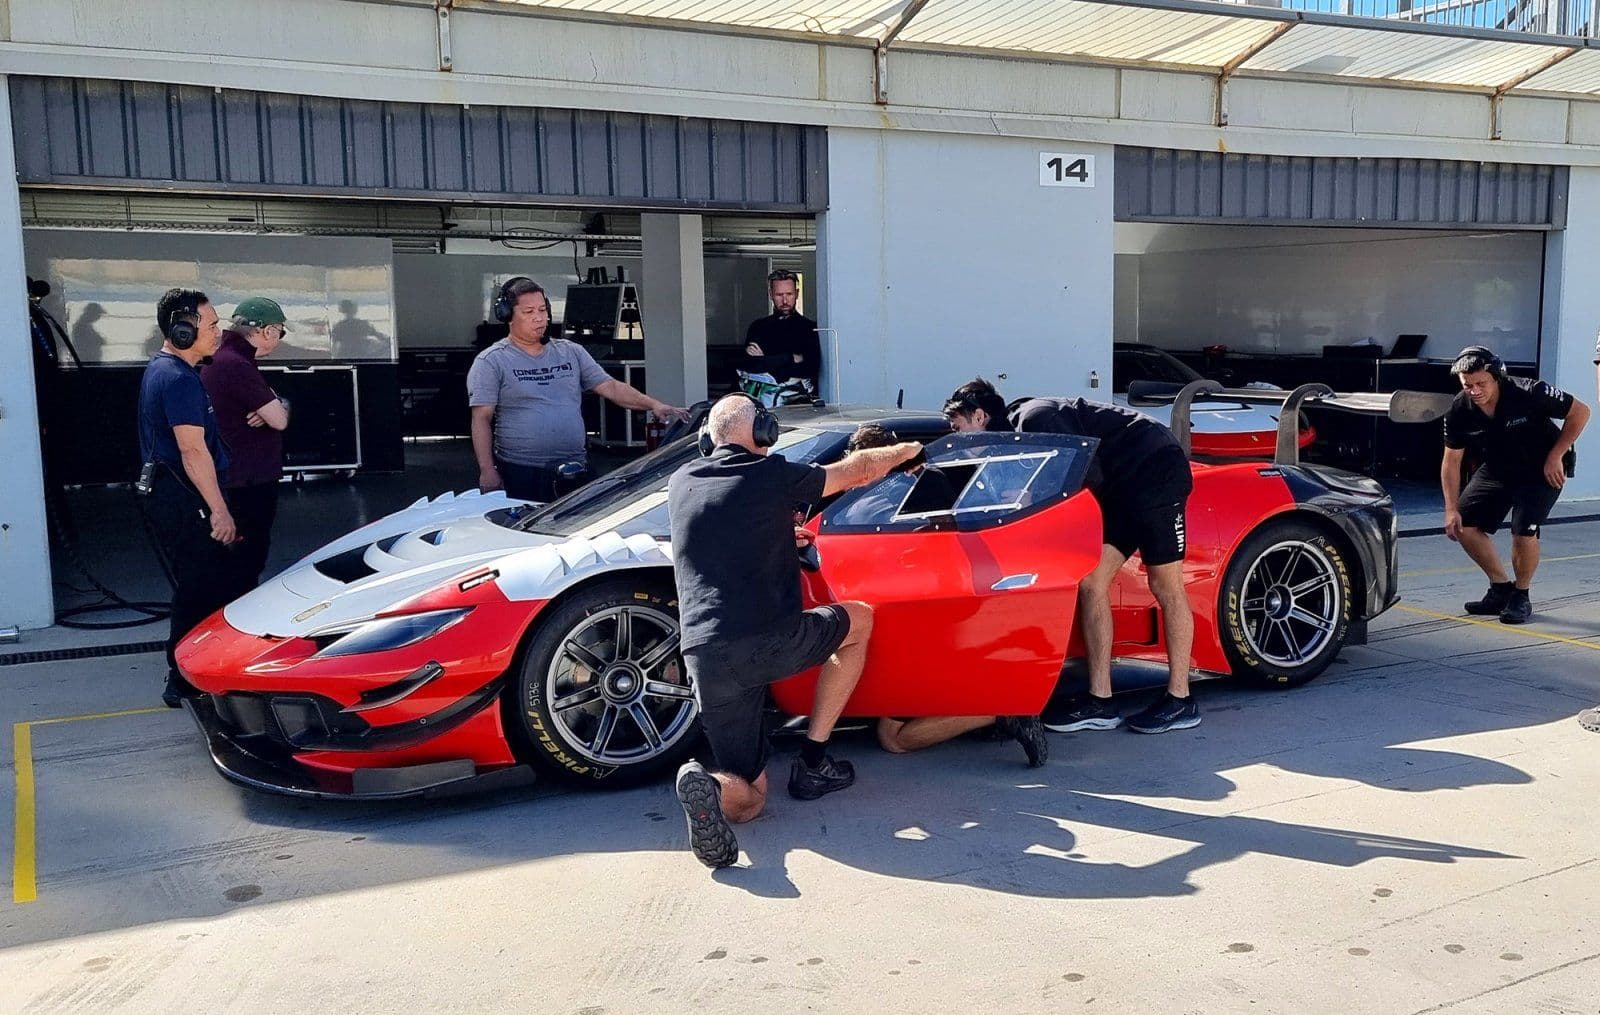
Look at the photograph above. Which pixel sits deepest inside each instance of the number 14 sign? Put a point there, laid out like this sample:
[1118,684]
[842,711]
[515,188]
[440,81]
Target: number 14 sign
[1059,169]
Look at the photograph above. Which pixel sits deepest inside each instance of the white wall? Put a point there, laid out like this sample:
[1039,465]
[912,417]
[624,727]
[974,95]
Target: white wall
[25,596]
[942,257]
[1572,317]
[1286,290]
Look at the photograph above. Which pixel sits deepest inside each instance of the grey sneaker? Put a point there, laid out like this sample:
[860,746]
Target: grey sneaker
[1589,719]
[1168,713]
[711,838]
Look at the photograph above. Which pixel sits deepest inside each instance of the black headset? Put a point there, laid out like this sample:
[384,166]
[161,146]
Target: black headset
[505,305]
[764,430]
[1479,357]
[180,331]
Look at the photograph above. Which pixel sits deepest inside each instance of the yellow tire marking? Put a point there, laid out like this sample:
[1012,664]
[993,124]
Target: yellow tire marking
[1495,625]
[24,861]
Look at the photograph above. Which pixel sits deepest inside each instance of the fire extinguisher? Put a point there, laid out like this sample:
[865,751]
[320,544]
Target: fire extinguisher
[654,430]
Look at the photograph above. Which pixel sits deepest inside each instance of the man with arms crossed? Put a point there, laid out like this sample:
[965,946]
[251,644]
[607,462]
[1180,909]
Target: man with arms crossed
[738,576]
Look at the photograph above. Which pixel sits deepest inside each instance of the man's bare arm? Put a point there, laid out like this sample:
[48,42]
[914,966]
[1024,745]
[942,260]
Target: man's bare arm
[866,466]
[273,414]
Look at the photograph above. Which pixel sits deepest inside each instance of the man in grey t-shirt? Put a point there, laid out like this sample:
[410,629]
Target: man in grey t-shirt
[525,392]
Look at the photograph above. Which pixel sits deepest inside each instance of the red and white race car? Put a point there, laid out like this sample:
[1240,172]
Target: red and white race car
[474,637]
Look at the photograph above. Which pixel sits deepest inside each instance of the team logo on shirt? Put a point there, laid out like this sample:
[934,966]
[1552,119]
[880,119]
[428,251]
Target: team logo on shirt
[540,375]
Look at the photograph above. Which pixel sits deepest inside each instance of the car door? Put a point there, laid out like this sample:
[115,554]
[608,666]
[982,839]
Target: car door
[972,569]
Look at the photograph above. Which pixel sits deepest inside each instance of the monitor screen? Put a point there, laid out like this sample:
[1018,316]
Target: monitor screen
[591,306]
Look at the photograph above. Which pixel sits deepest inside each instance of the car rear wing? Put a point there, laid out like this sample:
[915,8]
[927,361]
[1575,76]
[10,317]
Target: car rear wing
[1396,406]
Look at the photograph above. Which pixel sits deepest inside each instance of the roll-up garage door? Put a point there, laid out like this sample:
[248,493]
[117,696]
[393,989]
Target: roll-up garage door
[1166,185]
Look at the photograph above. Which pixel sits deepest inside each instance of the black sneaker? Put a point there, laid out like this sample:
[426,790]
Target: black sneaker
[1166,714]
[1028,731]
[829,777]
[711,838]
[1518,610]
[1494,601]
[1082,712]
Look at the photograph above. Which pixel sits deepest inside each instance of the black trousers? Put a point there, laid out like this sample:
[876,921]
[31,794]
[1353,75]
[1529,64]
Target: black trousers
[536,482]
[202,568]
[253,508]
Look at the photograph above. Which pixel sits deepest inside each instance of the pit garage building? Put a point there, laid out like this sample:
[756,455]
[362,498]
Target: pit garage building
[997,187]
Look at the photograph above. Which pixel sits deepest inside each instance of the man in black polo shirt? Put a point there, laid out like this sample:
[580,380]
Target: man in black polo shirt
[1505,422]
[784,343]
[251,418]
[738,576]
[184,463]
[1140,477]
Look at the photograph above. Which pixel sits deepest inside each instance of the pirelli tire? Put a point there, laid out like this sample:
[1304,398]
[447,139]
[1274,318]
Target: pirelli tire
[1286,603]
[601,696]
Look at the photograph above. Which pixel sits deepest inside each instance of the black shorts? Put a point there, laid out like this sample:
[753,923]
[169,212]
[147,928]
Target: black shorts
[731,677]
[1486,501]
[1149,520]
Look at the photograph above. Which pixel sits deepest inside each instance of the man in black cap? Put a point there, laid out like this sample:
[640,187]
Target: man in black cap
[1505,422]
[1140,477]
[251,418]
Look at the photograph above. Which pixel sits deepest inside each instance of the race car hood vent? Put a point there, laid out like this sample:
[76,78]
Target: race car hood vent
[417,550]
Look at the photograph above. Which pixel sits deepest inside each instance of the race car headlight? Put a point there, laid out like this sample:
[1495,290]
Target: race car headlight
[385,633]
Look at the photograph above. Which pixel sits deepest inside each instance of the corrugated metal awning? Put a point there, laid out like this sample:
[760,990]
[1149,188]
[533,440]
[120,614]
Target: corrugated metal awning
[1180,34]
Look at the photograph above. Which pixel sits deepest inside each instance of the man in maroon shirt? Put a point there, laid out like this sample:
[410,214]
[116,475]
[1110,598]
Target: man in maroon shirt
[251,418]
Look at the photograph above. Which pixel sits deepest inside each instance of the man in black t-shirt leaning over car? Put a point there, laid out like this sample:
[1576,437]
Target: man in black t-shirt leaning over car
[734,543]
[1140,477]
[1505,423]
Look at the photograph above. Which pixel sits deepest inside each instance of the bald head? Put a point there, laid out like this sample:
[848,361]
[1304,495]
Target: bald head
[732,421]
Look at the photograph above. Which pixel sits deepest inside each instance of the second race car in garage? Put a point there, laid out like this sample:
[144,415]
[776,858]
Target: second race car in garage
[473,635]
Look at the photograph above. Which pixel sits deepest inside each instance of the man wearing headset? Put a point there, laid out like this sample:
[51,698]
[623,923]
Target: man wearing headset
[185,463]
[1506,423]
[526,392]
[738,578]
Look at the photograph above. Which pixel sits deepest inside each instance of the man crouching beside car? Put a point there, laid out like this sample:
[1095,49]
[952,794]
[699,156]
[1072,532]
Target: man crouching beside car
[738,577]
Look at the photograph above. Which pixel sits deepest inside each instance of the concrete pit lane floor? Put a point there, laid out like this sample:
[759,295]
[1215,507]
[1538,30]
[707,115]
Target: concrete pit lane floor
[1415,831]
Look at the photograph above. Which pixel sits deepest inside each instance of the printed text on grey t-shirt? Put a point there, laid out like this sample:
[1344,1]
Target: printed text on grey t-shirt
[538,419]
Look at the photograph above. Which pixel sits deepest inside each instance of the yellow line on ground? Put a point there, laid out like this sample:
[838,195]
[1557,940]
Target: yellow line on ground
[1471,568]
[24,863]
[1495,625]
[24,886]
[98,715]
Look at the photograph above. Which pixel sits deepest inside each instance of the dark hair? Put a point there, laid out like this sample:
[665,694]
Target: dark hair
[1475,358]
[977,394]
[871,435]
[782,275]
[522,287]
[179,303]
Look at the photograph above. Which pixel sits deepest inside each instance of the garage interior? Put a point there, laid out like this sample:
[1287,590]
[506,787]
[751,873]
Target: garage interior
[1367,275]
[636,225]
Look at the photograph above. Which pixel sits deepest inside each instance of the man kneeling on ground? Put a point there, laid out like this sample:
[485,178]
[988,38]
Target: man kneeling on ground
[901,736]
[738,576]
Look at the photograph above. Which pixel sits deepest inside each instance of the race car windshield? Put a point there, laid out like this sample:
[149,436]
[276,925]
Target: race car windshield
[633,498]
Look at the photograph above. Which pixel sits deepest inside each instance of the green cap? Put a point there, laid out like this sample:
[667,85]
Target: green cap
[259,312]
